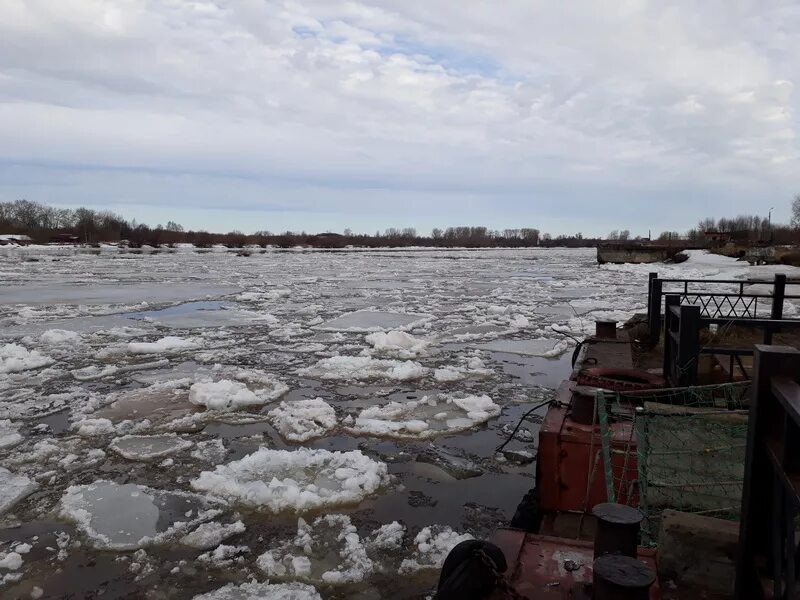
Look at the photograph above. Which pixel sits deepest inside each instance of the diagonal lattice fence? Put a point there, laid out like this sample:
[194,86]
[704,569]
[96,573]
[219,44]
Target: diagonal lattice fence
[689,446]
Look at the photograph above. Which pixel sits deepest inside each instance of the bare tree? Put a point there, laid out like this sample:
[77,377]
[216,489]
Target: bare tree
[796,211]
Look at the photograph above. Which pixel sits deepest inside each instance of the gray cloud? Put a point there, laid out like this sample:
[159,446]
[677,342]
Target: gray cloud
[546,109]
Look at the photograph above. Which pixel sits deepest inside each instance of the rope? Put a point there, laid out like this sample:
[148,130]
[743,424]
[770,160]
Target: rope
[519,423]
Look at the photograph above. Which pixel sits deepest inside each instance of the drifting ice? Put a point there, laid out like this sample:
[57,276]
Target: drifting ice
[299,480]
[302,420]
[364,367]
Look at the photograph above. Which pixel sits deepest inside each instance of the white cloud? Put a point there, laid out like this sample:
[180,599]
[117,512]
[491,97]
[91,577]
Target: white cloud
[519,103]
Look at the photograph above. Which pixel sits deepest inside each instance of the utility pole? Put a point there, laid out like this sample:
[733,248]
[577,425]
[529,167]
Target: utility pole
[769,221]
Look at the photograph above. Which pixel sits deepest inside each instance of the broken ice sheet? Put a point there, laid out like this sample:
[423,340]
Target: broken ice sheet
[128,516]
[377,320]
[364,368]
[262,591]
[329,550]
[13,488]
[425,418]
[433,544]
[298,480]
[302,420]
[148,447]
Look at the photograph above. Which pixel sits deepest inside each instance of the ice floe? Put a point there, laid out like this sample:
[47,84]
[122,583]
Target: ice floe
[13,488]
[58,337]
[397,343]
[329,550]
[432,546]
[163,345]
[233,395]
[93,427]
[425,418]
[15,358]
[210,535]
[9,434]
[302,420]
[364,321]
[262,591]
[128,516]
[298,480]
[148,447]
[364,368]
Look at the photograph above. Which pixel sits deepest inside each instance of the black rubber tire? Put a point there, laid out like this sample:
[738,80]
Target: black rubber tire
[528,516]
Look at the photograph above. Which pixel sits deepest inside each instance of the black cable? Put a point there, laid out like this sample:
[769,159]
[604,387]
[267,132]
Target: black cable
[525,416]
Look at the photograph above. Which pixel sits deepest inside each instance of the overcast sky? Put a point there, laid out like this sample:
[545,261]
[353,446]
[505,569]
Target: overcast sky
[320,114]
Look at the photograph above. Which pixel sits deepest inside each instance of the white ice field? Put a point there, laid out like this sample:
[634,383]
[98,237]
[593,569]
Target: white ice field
[292,424]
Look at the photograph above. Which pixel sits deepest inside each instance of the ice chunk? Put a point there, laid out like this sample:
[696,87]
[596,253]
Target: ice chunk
[546,348]
[329,550]
[232,395]
[222,395]
[299,480]
[15,358]
[209,535]
[11,561]
[262,591]
[433,545]
[13,488]
[374,320]
[93,427]
[148,447]
[128,516]
[387,537]
[58,337]
[364,367]
[9,434]
[166,344]
[425,418]
[397,343]
[302,420]
[212,451]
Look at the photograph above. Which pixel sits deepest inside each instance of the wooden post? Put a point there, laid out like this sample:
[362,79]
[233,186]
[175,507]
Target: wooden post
[688,345]
[758,490]
[654,309]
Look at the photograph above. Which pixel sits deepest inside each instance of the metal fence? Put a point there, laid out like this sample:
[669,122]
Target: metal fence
[689,448]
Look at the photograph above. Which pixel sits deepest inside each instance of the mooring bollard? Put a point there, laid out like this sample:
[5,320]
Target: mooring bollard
[619,577]
[617,529]
[605,329]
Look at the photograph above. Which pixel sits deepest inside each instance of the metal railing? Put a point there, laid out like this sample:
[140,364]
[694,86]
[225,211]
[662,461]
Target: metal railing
[727,299]
[682,349]
[766,564]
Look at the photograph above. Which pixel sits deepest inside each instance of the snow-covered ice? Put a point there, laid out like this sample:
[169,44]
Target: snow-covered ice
[233,395]
[9,434]
[15,358]
[426,418]
[13,488]
[397,343]
[364,368]
[210,535]
[297,480]
[312,375]
[163,345]
[432,546]
[328,550]
[262,591]
[302,420]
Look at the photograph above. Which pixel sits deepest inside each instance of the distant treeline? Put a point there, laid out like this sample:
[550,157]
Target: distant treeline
[45,224]
[742,229]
